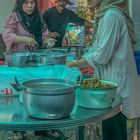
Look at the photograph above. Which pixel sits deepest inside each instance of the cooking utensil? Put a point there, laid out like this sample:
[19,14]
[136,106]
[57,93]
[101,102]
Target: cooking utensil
[16,85]
[17,82]
[21,59]
[97,98]
[49,98]
[52,58]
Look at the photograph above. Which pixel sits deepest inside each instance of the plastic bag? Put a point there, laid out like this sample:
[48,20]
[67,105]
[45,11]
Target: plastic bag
[75,35]
[8,74]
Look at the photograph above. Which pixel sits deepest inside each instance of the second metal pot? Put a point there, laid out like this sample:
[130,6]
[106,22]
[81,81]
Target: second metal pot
[52,58]
[20,59]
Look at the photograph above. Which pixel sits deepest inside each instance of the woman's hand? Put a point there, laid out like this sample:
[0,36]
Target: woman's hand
[54,35]
[27,40]
[49,42]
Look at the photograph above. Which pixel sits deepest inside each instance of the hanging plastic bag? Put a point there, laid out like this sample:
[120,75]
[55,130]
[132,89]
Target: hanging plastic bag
[75,35]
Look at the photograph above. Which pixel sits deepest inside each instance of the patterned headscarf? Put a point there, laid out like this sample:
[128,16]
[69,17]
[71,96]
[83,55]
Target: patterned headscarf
[118,5]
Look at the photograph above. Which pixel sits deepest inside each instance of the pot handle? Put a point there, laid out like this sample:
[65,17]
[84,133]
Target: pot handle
[16,84]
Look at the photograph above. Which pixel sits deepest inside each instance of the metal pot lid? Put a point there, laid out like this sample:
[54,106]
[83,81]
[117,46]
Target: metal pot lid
[48,87]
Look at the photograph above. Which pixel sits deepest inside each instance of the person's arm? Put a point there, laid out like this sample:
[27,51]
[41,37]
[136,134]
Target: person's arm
[79,63]
[27,40]
[9,35]
[46,19]
[108,37]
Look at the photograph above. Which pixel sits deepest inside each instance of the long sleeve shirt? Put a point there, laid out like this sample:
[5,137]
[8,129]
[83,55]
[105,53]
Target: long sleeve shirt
[112,57]
[14,28]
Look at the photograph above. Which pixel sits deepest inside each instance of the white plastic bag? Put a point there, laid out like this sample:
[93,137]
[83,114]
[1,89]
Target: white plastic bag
[8,74]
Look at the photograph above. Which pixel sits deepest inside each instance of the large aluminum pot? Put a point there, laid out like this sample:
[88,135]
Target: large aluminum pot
[48,98]
[20,59]
[97,98]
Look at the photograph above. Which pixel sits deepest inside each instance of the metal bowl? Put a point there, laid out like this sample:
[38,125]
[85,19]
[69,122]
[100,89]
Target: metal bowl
[20,59]
[97,98]
[48,98]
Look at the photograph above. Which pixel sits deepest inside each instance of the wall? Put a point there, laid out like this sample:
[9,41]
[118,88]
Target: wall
[6,7]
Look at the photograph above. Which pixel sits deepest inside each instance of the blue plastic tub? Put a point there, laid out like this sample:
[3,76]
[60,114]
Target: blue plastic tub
[137,59]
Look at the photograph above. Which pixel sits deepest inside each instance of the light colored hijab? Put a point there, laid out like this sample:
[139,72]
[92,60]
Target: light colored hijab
[118,5]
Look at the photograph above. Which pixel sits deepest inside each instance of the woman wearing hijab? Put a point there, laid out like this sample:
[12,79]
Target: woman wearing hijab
[112,58]
[24,27]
